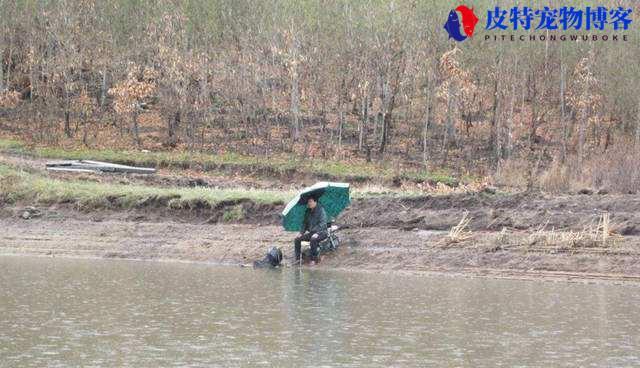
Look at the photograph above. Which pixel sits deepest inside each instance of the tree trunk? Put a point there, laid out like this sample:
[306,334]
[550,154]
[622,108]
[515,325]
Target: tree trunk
[563,117]
[1,74]
[534,111]
[493,135]
[448,127]
[391,93]
[364,120]
[581,131]
[8,74]
[509,126]
[506,148]
[380,114]
[425,128]
[173,124]
[67,125]
[295,93]
[376,122]
[637,141]
[85,129]
[386,125]
[136,135]
[103,88]
[341,123]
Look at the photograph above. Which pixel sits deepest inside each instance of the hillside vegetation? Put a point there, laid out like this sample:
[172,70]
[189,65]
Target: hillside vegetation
[371,85]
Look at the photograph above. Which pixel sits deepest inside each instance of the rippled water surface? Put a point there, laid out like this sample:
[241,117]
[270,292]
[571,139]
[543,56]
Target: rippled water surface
[69,312]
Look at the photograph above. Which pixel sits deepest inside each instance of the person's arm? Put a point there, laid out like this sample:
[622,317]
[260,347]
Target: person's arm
[324,220]
[305,223]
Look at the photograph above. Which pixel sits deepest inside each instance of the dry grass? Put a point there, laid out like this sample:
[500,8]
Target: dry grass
[603,231]
[599,235]
[418,189]
[556,179]
[553,238]
[615,170]
[461,231]
[510,173]
[475,186]
[503,236]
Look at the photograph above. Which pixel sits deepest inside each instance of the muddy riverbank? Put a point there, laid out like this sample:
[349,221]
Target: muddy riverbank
[515,235]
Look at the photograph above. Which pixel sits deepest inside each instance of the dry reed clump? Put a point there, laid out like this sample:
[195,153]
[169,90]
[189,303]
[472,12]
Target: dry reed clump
[461,231]
[497,241]
[503,236]
[599,235]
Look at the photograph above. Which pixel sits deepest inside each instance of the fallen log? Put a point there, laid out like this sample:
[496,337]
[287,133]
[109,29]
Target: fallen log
[96,166]
[70,169]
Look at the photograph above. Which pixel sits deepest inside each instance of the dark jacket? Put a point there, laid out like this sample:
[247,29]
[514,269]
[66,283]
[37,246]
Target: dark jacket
[315,221]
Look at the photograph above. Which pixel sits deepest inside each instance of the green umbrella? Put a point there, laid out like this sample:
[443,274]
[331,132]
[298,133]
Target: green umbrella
[333,197]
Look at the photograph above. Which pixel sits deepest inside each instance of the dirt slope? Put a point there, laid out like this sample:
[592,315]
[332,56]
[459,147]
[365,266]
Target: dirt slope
[521,211]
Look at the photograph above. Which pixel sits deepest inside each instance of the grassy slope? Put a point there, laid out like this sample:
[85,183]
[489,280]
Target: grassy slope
[36,188]
[16,185]
[332,170]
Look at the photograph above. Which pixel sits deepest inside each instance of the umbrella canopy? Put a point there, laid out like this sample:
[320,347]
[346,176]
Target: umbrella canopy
[333,197]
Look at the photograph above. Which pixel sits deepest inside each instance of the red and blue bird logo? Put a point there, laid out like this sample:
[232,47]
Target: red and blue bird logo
[469,21]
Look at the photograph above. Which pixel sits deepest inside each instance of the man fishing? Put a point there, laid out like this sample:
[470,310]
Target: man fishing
[314,229]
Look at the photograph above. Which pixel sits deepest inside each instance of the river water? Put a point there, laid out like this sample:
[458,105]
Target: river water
[70,312]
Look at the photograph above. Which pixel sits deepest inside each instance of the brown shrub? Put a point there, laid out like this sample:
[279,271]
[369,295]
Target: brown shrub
[556,178]
[615,170]
[512,173]
[9,99]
